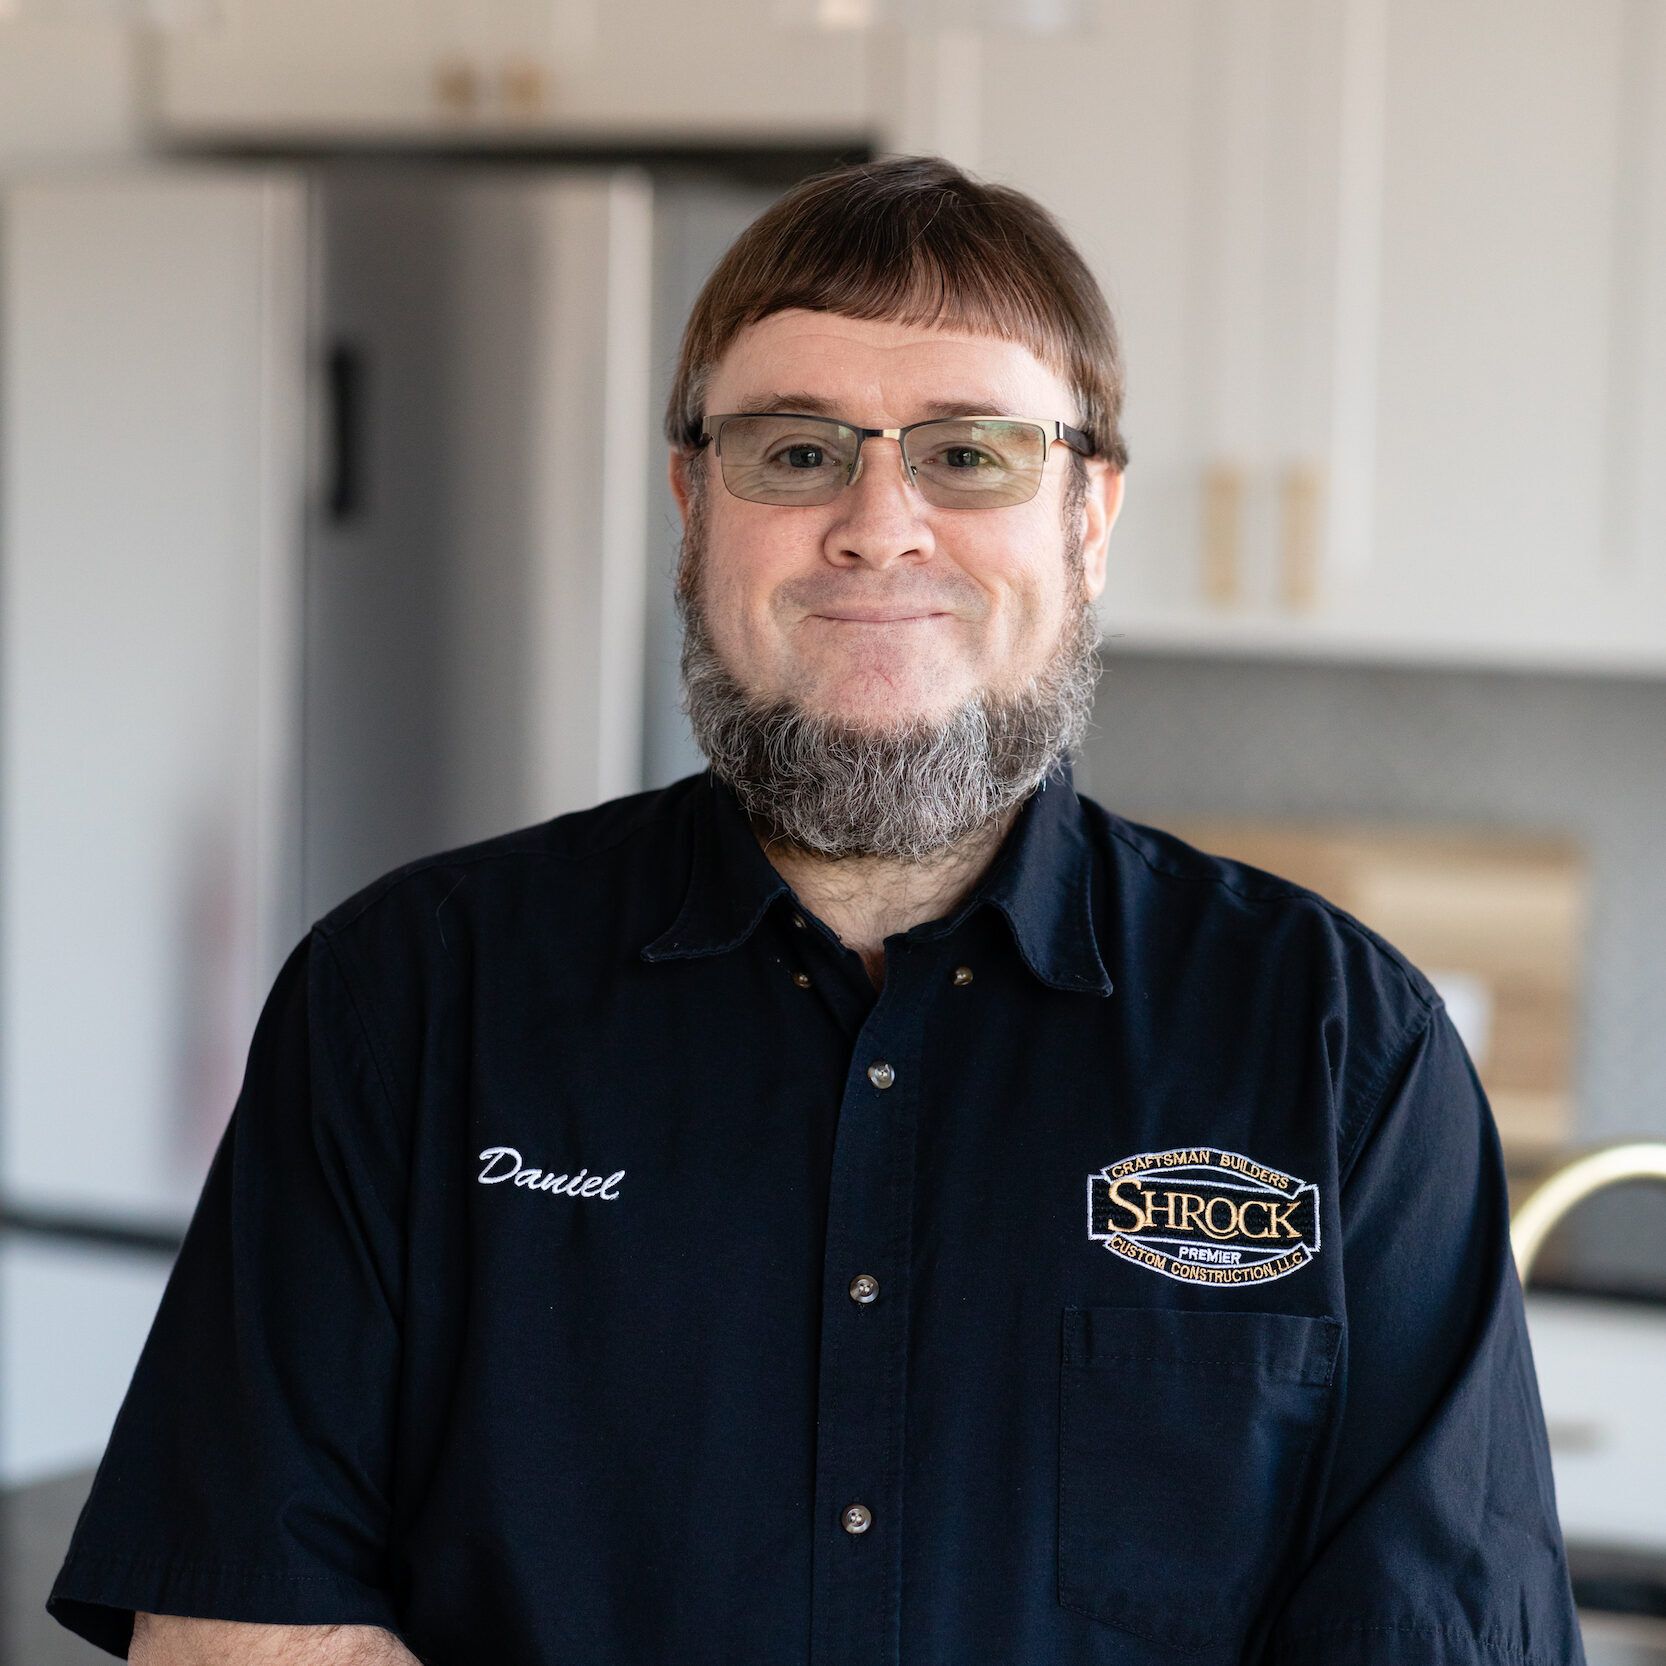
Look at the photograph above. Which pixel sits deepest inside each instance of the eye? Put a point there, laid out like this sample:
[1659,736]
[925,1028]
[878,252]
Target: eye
[805,456]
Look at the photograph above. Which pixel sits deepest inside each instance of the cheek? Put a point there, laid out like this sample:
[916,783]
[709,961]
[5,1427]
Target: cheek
[744,572]
[1024,632]
[1024,600]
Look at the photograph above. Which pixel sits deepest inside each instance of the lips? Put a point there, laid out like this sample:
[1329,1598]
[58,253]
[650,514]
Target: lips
[855,618]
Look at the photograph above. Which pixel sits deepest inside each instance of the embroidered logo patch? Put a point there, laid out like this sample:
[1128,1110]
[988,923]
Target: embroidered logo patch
[1204,1216]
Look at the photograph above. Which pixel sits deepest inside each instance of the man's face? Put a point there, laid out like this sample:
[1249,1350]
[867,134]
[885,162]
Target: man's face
[875,676]
[878,608]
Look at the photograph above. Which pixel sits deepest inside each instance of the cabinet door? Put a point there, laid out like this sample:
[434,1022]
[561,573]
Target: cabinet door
[1098,125]
[151,352]
[1610,1464]
[1635,545]
[627,69]
[1490,461]
[1175,141]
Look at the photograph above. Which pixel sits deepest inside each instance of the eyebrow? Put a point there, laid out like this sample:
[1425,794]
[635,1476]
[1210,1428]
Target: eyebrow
[810,404]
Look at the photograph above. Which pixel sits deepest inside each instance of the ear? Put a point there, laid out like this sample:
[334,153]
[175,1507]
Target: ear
[1100,509]
[677,469]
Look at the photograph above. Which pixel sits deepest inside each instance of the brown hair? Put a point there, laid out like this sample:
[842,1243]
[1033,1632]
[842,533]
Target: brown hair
[913,240]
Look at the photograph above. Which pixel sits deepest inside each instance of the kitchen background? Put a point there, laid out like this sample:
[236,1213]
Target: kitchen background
[334,338]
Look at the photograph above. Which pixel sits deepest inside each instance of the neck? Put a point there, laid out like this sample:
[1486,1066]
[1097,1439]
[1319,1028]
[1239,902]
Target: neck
[866,899]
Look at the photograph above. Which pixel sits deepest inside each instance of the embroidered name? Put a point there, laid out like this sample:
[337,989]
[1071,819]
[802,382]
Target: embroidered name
[1204,1216]
[537,1180]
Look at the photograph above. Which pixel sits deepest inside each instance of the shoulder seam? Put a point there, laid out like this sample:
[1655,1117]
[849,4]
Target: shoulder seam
[1391,1070]
[356,1001]
[380,1065]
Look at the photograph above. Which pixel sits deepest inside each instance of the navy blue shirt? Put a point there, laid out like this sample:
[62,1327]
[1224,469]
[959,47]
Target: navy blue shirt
[598,1270]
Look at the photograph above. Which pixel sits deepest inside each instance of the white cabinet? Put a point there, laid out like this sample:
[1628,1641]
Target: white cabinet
[1191,149]
[1497,493]
[1392,281]
[581,69]
[1599,1363]
[1098,126]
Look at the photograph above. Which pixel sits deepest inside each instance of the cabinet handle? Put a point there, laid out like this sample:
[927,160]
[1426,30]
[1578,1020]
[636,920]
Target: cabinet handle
[1223,522]
[1299,567]
[456,85]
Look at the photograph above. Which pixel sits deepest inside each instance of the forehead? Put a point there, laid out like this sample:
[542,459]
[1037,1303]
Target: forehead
[880,373]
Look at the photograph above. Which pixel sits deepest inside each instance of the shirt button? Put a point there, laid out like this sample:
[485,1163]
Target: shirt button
[802,979]
[798,920]
[881,1074]
[962,976]
[864,1288]
[856,1518]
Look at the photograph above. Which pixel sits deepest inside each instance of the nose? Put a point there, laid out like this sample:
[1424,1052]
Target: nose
[880,520]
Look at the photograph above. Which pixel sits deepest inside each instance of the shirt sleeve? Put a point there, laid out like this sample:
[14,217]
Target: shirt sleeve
[1436,1537]
[247,1475]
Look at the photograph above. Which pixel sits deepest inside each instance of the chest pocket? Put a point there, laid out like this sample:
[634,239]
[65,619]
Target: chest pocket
[1184,1438]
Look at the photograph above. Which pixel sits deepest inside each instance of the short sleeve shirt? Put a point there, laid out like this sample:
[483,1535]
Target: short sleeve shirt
[597,1269]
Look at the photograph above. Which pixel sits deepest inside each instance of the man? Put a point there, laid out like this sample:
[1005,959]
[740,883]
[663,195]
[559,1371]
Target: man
[864,1202]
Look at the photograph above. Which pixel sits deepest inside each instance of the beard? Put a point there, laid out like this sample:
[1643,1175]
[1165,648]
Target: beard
[907,791]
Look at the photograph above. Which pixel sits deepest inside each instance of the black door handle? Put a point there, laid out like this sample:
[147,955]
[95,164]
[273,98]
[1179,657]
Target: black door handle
[345,376]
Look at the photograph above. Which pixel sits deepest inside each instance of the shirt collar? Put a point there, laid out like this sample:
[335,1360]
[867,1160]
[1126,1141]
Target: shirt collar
[1040,880]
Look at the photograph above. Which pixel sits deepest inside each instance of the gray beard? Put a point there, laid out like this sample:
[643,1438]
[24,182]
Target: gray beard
[908,791]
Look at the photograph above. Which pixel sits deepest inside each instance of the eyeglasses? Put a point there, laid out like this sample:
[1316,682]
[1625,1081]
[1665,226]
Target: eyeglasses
[975,462]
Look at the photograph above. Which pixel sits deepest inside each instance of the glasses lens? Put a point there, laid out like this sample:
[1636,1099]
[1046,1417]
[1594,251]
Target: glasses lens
[978,462]
[785,459]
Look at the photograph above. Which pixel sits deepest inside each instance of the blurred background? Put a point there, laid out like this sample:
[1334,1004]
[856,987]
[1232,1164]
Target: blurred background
[334,341]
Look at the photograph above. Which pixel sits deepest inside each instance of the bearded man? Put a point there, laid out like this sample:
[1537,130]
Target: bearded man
[865,1203]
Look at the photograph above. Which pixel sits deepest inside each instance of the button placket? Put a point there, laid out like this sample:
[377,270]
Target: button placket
[861,1393]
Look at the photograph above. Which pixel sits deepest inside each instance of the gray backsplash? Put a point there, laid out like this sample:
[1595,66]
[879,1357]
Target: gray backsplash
[1579,756]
